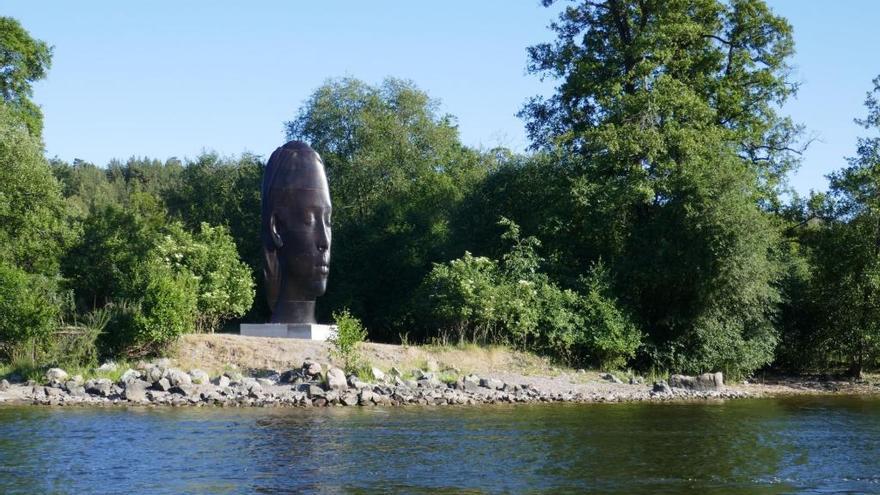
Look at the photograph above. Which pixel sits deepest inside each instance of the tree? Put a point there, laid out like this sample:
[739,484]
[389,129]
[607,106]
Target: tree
[85,187]
[397,173]
[33,229]
[99,267]
[666,121]
[225,192]
[848,252]
[23,61]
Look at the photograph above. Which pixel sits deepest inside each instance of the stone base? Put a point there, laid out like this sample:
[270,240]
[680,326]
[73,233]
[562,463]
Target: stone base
[308,331]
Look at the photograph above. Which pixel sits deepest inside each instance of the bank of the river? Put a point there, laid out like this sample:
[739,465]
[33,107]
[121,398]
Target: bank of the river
[229,370]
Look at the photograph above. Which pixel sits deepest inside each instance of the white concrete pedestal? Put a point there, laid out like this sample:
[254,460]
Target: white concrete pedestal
[308,331]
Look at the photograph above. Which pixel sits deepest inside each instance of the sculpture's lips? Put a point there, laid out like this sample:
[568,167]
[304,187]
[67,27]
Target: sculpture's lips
[323,268]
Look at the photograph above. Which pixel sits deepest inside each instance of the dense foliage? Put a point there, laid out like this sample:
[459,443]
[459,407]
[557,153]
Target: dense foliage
[649,226]
[477,299]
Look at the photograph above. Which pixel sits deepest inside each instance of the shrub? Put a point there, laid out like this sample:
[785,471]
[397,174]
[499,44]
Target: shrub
[168,307]
[462,297]
[28,308]
[512,302]
[350,334]
[612,339]
[166,310]
[225,287]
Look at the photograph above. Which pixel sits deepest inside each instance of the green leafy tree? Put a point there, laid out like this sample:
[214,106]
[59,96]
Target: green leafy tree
[397,174]
[666,121]
[225,192]
[99,267]
[33,217]
[85,186]
[847,253]
[23,61]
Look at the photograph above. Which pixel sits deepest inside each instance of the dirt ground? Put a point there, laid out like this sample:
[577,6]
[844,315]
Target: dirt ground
[216,352]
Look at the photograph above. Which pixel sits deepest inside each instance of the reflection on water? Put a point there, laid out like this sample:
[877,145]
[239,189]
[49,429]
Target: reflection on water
[802,445]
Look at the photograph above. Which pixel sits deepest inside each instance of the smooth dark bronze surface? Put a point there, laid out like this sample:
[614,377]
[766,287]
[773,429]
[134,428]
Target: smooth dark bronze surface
[295,232]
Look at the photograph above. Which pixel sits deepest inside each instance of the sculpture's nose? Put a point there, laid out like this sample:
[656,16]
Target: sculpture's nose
[323,240]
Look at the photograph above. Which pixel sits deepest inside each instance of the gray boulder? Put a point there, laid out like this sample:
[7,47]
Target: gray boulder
[491,383]
[378,374]
[4,385]
[470,383]
[198,376]
[701,383]
[349,399]
[185,389]
[129,375]
[222,381]
[56,375]
[366,396]
[355,382]
[52,392]
[430,381]
[77,391]
[314,391]
[178,377]
[289,376]
[312,368]
[336,379]
[135,390]
[251,385]
[153,374]
[101,386]
[233,375]
[661,387]
[163,384]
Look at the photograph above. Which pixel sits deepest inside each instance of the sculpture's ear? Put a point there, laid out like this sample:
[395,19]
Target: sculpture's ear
[273,231]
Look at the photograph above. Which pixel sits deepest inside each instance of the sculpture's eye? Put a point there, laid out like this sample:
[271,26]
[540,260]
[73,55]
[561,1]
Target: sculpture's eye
[309,218]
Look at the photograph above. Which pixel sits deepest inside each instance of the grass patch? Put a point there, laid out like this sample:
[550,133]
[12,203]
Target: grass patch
[25,369]
[447,378]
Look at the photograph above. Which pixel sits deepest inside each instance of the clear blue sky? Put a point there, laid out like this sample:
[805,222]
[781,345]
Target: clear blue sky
[166,78]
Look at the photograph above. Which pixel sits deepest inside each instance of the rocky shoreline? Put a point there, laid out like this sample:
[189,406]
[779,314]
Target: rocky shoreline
[318,385]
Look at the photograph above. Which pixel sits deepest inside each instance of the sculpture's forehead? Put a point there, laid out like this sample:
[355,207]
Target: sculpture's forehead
[301,196]
[306,172]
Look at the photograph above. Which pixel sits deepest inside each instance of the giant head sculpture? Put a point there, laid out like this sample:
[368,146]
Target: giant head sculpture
[295,232]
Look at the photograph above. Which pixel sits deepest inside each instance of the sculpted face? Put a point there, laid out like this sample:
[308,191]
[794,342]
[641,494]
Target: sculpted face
[296,232]
[301,225]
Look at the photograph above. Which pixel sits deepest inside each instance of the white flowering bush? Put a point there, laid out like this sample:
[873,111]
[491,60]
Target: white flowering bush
[225,287]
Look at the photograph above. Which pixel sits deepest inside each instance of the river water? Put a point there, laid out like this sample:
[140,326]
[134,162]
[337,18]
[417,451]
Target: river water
[791,445]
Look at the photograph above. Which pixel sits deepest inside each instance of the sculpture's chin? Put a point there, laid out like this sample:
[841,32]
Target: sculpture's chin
[320,287]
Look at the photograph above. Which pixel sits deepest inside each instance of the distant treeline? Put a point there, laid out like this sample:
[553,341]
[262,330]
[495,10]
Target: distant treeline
[650,225]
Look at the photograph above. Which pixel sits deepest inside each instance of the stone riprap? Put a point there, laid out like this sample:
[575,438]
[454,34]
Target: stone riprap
[310,386]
